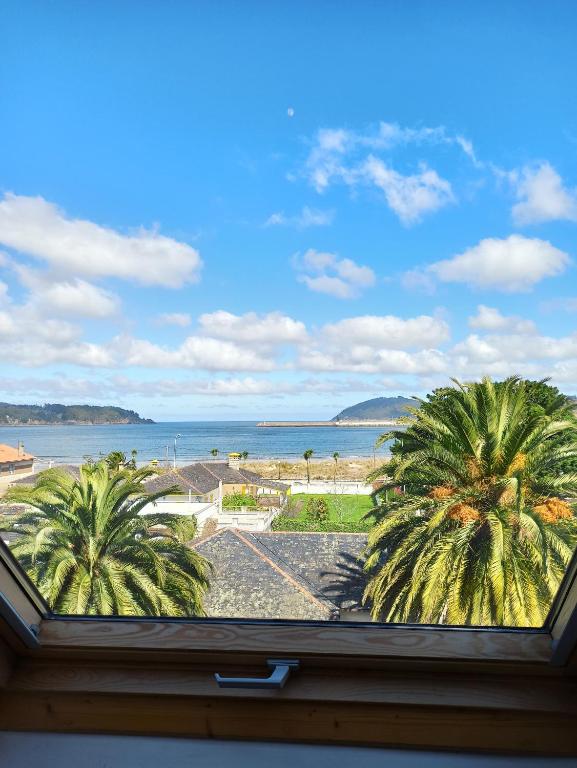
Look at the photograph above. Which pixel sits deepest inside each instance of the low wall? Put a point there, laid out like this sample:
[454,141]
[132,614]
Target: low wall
[328,486]
[202,510]
[248,519]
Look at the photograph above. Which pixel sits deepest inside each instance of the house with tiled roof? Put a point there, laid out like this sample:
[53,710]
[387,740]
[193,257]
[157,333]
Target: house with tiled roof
[285,575]
[203,485]
[203,479]
[201,488]
[15,461]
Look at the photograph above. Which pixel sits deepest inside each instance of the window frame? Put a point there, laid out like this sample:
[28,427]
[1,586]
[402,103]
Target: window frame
[554,643]
[426,687]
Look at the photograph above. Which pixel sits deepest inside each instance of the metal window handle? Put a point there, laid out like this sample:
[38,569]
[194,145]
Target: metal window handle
[281,669]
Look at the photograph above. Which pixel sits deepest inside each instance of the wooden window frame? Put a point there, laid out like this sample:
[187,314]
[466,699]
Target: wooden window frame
[386,685]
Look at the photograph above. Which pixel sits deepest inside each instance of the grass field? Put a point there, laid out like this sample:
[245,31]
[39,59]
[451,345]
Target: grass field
[343,507]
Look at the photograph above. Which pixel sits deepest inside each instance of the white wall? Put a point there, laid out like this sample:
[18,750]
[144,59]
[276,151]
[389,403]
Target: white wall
[254,519]
[202,510]
[328,486]
[36,750]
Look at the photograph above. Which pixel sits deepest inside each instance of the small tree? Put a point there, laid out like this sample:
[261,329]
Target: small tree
[244,455]
[336,456]
[214,452]
[317,510]
[307,455]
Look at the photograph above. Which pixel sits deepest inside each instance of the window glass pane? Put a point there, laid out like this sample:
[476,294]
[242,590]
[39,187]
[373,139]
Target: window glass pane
[286,320]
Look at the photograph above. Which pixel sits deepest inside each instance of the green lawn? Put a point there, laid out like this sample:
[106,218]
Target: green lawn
[346,513]
[343,507]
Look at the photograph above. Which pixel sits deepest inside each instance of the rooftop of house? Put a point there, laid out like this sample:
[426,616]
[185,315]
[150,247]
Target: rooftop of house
[72,469]
[204,477]
[284,575]
[10,454]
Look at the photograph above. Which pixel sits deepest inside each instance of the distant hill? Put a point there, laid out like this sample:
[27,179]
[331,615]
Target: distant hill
[377,409]
[54,413]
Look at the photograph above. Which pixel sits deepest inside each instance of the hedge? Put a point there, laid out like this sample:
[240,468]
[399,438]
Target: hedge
[282,523]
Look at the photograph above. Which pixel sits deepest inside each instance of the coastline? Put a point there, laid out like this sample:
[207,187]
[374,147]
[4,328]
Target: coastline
[344,423]
[75,424]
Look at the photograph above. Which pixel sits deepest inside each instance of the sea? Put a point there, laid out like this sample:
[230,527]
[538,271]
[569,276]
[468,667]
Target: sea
[73,444]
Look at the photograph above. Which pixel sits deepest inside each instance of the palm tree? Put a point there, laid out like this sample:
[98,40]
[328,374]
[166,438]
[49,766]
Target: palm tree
[89,551]
[336,457]
[244,455]
[132,462]
[115,460]
[482,536]
[214,452]
[307,455]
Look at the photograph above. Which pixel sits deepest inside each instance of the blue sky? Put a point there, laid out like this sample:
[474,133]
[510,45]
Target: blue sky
[267,210]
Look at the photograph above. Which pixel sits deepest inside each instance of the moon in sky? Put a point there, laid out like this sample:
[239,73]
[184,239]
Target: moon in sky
[290,112]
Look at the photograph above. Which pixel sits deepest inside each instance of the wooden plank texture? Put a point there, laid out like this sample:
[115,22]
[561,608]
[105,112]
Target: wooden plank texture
[319,722]
[493,692]
[296,640]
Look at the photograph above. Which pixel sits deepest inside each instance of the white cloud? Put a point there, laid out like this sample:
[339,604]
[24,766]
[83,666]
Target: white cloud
[387,331]
[514,347]
[352,158]
[514,264]
[181,319]
[365,359]
[50,295]
[273,328]
[32,338]
[490,319]
[467,147]
[326,273]
[542,196]
[38,228]
[373,344]
[119,387]
[308,217]
[195,352]
[333,286]
[410,197]
[77,297]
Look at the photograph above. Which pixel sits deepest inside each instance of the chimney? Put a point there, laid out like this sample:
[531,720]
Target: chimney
[234,460]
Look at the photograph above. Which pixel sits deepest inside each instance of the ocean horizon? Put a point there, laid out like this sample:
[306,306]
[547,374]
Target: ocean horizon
[74,443]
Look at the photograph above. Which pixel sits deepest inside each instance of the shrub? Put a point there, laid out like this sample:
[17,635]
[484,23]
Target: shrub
[284,523]
[317,510]
[236,500]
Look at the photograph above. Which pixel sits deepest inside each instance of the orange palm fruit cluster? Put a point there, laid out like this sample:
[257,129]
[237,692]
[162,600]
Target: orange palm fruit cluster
[463,513]
[441,492]
[553,510]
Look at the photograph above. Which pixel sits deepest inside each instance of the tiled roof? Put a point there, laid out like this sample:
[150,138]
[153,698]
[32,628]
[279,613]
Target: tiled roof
[201,478]
[10,454]
[283,575]
[72,469]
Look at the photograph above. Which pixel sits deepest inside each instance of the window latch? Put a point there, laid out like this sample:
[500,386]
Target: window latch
[281,669]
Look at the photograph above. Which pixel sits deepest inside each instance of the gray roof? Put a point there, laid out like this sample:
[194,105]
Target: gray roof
[277,575]
[72,469]
[201,478]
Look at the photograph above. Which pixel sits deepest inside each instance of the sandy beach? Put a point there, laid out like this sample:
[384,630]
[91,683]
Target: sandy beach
[320,469]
